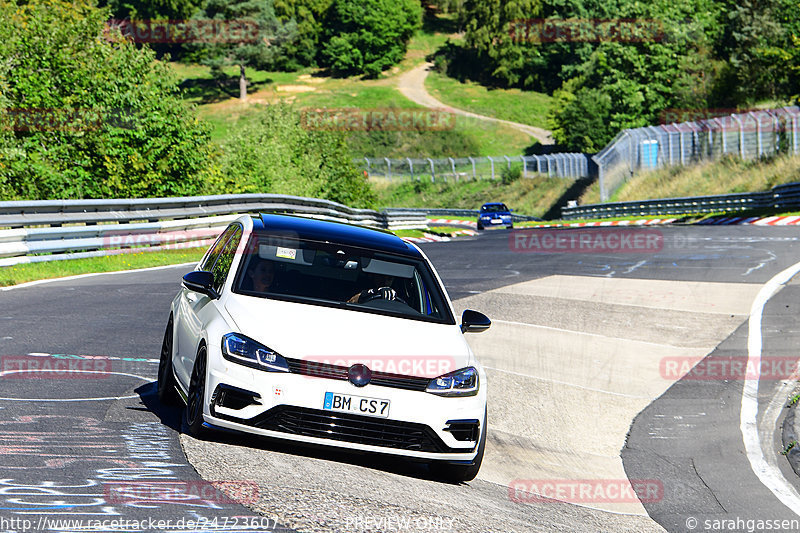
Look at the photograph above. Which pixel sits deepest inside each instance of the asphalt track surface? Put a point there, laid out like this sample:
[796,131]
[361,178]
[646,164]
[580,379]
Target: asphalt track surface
[73,446]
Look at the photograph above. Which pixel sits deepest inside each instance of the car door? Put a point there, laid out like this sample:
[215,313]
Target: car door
[194,307]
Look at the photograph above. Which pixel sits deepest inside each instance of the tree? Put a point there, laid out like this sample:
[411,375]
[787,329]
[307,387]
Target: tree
[309,16]
[274,153]
[261,45]
[368,36]
[88,116]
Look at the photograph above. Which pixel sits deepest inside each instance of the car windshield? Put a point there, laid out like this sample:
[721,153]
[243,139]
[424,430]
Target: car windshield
[494,208]
[340,276]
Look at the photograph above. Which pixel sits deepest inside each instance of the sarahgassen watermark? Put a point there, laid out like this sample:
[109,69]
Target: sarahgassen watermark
[588,30]
[212,31]
[593,240]
[586,490]
[377,119]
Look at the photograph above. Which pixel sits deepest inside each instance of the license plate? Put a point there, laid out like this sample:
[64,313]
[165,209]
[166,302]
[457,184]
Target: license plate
[347,403]
[497,221]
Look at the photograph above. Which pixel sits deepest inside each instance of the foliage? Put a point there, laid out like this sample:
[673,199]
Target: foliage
[265,47]
[309,16]
[368,36]
[110,121]
[273,153]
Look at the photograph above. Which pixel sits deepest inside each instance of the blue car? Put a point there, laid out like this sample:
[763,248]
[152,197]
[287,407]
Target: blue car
[494,214]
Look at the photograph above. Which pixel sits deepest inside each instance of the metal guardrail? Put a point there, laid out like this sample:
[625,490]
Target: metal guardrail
[437,212]
[68,229]
[780,197]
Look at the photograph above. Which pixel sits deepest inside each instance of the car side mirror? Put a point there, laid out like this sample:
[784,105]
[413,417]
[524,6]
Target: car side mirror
[202,282]
[474,322]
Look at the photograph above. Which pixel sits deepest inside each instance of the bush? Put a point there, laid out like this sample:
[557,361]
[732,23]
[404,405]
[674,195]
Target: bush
[512,174]
[122,131]
[273,153]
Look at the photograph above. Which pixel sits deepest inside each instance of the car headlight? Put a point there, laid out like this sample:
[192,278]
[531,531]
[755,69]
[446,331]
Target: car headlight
[462,382]
[246,351]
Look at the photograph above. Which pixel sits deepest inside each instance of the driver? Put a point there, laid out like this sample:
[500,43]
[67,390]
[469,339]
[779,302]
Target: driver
[262,276]
[382,290]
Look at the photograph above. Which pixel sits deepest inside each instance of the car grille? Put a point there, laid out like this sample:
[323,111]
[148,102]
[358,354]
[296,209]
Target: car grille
[351,428]
[383,379]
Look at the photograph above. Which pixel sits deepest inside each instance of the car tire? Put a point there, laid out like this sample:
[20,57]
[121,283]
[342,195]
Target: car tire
[510,226]
[480,227]
[455,473]
[166,385]
[193,414]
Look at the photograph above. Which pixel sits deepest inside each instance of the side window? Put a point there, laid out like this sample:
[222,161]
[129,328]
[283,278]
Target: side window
[225,258]
[214,251]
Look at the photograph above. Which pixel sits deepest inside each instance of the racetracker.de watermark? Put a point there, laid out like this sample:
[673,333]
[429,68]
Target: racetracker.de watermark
[404,365]
[377,119]
[33,367]
[728,368]
[219,492]
[599,240]
[586,490]
[64,119]
[210,31]
[586,30]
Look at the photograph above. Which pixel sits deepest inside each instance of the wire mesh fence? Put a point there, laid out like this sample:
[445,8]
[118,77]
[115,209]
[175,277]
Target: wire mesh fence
[564,165]
[746,135]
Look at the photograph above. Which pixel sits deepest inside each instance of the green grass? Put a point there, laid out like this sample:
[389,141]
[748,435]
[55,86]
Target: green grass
[525,107]
[13,275]
[527,196]
[728,175]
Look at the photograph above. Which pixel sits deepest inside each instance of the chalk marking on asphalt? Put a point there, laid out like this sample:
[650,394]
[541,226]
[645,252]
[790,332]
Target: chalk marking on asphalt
[91,275]
[768,474]
[567,383]
[6,372]
[551,328]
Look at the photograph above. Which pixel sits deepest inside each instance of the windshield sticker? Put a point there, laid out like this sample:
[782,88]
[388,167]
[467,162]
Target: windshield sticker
[286,253]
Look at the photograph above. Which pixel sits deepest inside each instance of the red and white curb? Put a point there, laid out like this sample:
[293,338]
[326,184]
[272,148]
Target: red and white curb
[452,222]
[641,222]
[429,237]
[756,221]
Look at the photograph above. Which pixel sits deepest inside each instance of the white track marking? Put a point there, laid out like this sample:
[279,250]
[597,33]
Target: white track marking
[72,399]
[767,473]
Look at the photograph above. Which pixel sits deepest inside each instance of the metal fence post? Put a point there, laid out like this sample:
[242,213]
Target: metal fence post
[524,166]
[741,135]
[549,166]
[758,134]
[411,167]
[683,150]
[433,172]
[492,162]
[794,133]
[367,160]
[473,168]
[389,167]
[508,162]
[453,166]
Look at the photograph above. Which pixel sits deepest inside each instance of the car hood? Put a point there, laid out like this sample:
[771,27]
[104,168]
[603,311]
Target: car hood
[345,337]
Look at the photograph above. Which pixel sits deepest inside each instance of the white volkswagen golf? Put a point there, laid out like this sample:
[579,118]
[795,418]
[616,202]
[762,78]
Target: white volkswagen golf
[327,334]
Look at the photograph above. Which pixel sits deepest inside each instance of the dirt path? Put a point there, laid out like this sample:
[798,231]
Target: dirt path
[412,85]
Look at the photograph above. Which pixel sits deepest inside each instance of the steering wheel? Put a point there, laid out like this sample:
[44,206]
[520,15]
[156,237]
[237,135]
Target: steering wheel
[381,293]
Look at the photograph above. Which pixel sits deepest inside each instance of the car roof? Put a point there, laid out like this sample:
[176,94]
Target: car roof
[334,232]
[493,203]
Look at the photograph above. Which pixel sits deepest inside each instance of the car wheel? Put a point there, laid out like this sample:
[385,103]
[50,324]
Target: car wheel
[511,226]
[167,394]
[461,473]
[196,398]
[480,227]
